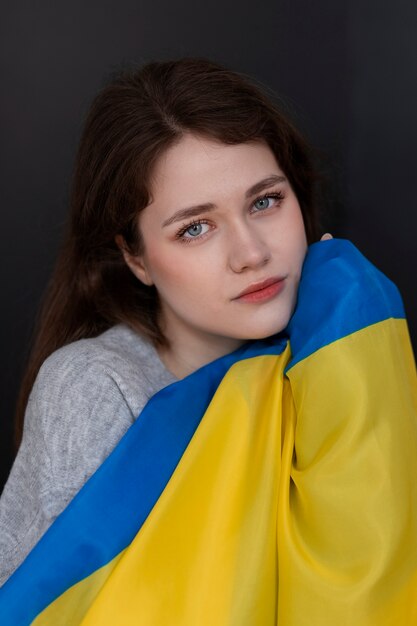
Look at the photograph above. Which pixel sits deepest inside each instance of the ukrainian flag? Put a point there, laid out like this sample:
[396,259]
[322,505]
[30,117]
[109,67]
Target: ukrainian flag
[274,486]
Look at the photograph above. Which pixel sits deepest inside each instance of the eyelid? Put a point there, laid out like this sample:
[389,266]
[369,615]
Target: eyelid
[277,195]
[179,234]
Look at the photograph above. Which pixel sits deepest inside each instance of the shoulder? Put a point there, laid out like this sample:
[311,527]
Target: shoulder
[118,361]
[86,396]
[84,399]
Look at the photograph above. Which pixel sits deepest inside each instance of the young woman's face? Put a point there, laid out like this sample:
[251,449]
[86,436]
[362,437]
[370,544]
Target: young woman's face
[224,243]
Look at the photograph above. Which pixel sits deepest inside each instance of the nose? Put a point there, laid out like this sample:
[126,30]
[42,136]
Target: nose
[247,249]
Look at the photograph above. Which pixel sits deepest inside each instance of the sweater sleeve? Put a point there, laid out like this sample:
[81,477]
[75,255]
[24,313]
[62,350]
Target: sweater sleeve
[75,416]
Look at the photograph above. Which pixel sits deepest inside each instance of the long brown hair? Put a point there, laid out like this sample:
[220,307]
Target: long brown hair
[132,121]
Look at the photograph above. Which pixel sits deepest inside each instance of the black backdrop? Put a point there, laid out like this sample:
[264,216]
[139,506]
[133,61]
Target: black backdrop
[347,70]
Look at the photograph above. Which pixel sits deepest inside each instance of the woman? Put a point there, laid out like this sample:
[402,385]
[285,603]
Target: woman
[193,206]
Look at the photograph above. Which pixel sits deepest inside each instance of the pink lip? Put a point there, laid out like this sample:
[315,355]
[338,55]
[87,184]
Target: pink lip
[262,291]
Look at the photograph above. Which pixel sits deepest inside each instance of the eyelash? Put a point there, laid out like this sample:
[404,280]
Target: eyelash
[278,195]
[180,234]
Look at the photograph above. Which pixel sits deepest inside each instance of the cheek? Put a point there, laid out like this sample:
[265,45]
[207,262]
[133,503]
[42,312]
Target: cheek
[165,269]
[302,247]
[175,271]
[288,240]
[297,236]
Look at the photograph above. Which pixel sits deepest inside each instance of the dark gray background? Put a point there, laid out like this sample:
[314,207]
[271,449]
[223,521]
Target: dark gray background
[347,70]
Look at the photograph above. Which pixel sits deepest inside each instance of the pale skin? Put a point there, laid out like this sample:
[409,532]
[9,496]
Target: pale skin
[208,235]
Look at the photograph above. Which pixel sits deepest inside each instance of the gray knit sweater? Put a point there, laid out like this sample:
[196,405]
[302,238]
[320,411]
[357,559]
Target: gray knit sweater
[85,397]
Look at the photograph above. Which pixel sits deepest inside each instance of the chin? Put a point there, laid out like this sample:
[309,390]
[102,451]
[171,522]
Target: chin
[262,331]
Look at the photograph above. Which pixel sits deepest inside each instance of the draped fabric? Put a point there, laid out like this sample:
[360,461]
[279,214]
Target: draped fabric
[274,486]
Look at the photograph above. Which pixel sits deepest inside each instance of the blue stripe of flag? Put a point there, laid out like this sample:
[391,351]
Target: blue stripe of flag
[109,510]
[340,293]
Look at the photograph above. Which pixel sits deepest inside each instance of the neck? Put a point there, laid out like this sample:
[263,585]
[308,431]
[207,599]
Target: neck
[186,354]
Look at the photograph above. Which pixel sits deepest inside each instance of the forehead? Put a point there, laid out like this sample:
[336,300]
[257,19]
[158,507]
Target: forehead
[198,166]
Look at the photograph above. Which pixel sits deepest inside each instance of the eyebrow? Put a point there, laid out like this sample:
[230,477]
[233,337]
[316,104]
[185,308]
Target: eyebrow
[266,182]
[193,211]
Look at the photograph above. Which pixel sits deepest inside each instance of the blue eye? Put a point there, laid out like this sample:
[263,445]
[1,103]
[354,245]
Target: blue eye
[263,203]
[268,201]
[194,230]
